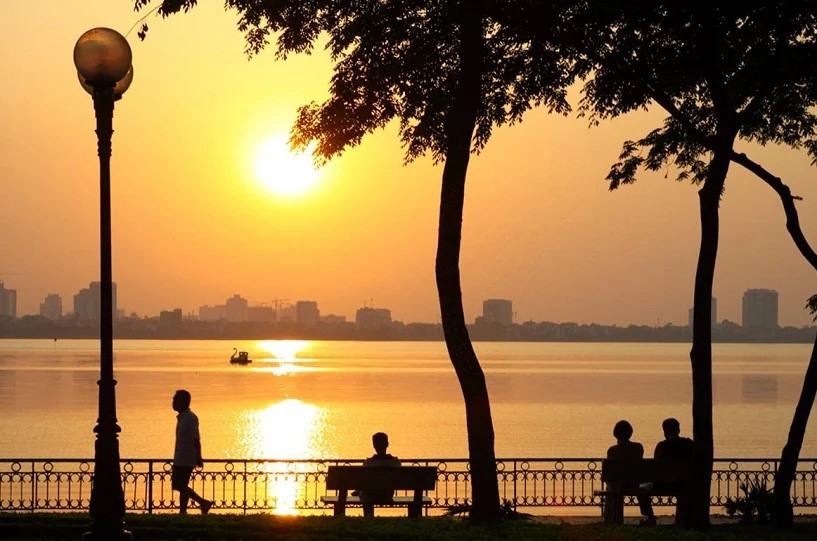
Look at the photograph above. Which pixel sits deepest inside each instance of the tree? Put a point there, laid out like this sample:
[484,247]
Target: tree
[448,72]
[723,73]
[786,471]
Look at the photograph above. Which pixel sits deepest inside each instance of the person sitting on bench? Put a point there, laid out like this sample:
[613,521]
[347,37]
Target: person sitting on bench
[674,447]
[380,442]
[624,449]
[679,449]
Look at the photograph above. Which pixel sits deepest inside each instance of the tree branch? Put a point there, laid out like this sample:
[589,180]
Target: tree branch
[787,199]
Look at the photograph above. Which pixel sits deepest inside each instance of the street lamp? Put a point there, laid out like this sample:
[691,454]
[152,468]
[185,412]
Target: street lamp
[103,60]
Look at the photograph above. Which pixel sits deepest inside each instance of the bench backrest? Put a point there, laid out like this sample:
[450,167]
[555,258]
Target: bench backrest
[381,478]
[643,470]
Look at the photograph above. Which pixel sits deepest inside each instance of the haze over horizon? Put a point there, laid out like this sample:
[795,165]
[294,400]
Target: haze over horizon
[197,215]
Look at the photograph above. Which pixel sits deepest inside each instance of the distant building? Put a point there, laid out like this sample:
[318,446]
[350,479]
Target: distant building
[212,313]
[261,314]
[170,319]
[287,313]
[307,313]
[8,301]
[760,309]
[372,318]
[236,309]
[332,319]
[714,313]
[88,302]
[51,307]
[497,311]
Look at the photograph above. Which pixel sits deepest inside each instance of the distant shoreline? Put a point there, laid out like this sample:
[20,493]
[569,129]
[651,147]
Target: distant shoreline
[36,327]
[376,339]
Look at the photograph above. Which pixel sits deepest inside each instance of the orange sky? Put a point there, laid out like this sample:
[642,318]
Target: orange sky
[193,225]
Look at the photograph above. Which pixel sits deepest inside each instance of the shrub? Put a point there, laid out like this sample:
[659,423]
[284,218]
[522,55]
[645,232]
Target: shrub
[755,505]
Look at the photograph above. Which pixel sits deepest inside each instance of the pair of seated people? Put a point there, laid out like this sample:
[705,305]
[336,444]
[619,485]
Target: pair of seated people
[673,448]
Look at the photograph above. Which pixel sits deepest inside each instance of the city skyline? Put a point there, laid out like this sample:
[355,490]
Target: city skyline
[759,308]
[193,219]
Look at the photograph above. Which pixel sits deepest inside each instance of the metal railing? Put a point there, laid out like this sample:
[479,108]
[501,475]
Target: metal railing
[533,485]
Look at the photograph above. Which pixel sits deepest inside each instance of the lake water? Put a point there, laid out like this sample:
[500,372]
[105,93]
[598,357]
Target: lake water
[324,399]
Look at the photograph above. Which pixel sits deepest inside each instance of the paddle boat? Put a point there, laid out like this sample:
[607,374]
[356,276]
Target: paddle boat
[240,357]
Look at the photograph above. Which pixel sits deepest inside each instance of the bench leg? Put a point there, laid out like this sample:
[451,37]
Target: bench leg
[340,509]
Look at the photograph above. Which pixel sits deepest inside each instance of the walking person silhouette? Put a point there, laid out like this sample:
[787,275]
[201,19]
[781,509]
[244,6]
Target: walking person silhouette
[187,454]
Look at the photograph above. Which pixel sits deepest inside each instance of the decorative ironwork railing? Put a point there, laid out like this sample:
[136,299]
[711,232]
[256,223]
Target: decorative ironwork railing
[296,486]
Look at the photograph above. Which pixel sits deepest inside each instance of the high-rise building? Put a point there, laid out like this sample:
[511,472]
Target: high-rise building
[212,313]
[236,311]
[372,318]
[287,313]
[87,303]
[307,313]
[497,311]
[8,301]
[261,314]
[760,308]
[714,313]
[51,307]
[170,319]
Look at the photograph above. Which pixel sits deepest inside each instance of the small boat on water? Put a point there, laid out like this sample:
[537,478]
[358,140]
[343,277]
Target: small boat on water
[240,357]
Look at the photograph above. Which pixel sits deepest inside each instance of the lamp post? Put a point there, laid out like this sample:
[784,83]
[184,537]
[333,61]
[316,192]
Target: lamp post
[103,60]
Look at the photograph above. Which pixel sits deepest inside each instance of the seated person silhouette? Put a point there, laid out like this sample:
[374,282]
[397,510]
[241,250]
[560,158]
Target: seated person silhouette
[674,448]
[380,442]
[624,449]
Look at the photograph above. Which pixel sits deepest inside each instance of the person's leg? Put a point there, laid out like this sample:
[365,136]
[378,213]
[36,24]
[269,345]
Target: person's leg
[180,477]
[645,506]
[681,508]
[204,504]
[183,498]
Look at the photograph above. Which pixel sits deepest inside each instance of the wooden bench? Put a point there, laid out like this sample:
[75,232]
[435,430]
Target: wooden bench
[377,479]
[623,477]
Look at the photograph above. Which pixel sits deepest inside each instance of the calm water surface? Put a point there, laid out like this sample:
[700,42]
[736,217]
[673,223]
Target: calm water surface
[324,399]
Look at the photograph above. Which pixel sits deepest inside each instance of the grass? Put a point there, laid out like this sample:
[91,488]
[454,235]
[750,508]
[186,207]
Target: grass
[30,526]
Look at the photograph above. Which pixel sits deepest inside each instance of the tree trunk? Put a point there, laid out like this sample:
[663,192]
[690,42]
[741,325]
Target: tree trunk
[460,128]
[784,513]
[697,512]
[784,477]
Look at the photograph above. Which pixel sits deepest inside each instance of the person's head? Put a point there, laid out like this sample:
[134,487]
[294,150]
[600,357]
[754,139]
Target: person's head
[672,428]
[380,442]
[181,400]
[623,431]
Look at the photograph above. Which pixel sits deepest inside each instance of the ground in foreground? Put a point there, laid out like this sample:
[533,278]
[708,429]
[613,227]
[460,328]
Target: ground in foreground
[28,526]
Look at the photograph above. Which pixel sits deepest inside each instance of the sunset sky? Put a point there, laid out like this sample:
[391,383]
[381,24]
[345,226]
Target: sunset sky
[195,221]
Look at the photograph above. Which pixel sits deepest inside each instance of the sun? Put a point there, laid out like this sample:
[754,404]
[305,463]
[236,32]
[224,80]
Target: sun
[283,172]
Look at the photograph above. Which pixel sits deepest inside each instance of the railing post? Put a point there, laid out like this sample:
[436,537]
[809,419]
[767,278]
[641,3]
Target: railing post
[33,488]
[150,487]
[245,488]
[514,485]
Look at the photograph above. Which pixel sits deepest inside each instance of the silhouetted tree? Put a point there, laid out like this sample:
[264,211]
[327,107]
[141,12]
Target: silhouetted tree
[448,73]
[723,72]
[784,477]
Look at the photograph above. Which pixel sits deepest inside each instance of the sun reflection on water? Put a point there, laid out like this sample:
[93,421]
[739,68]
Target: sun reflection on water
[286,430]
[284,350]
[286,353]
